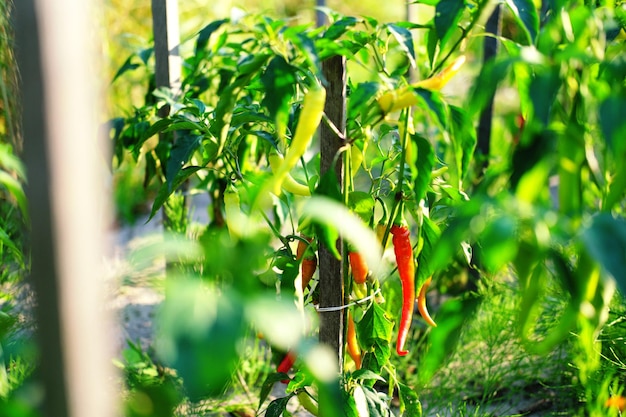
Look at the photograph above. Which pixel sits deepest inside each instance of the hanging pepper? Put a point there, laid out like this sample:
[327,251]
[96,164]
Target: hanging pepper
[285,365]
[406,96]
[289,183]
[360,271]
[421,303]
[406,269]
[309,260]
[353,345]
[310,118]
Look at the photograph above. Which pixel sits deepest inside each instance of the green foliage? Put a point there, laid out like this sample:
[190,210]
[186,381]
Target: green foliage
[242,97]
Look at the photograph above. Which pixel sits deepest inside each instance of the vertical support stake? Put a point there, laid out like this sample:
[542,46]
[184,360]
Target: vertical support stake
[331,274]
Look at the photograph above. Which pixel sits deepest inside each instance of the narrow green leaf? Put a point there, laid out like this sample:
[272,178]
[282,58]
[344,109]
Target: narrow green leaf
[180,154]
[425,164]
[165,191]
[464,137]
[429,234]
[279,81]
[432,101]
[205,34]
[128,65]
[405,40]
[526,15]
[267,386]
[447,16]
[278,406]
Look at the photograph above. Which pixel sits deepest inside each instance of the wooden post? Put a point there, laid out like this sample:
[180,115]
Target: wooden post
[67,203]
[331,274]
[168,68]
[490,49]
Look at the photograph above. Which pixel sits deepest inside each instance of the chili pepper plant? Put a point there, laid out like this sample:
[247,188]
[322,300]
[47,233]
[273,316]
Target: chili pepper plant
[414,198]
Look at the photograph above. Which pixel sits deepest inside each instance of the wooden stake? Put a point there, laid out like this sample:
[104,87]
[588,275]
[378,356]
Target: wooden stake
[68,204]
[331,275]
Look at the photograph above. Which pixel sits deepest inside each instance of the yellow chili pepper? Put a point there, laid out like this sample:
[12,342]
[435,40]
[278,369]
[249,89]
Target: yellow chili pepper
[310,118]
[406,97]
[289,183]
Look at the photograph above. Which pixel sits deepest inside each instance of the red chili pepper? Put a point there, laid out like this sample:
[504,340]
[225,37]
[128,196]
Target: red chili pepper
[285,365]
[359,267]
[421,303]
[309,263]
[406,269]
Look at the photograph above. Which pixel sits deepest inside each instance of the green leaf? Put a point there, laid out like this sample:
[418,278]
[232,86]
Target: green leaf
[128,65]
[498,243]
[340,27]
[405,39]
[279,81]
[425,164]
[543,90]
[526,15]
[464,137]
[267,386]
[375,327]
[181,152]
[377,403]
[447,16]
[410,405]
[429,235]
[199,331]
[362,204]
[484,87]
[613,123]
[366,374]
[166,190]
[205,34]
[451,317]
[6,241]
[435,104]
[332,214]
[361,98]
[605,239]
[278,406]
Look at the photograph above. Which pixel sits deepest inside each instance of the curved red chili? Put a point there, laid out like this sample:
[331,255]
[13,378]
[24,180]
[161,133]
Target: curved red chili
[406,269]
[285,365]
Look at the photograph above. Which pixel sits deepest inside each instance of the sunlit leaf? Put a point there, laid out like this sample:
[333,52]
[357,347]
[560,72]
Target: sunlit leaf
[362,204]
[405,40]
[349,226]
